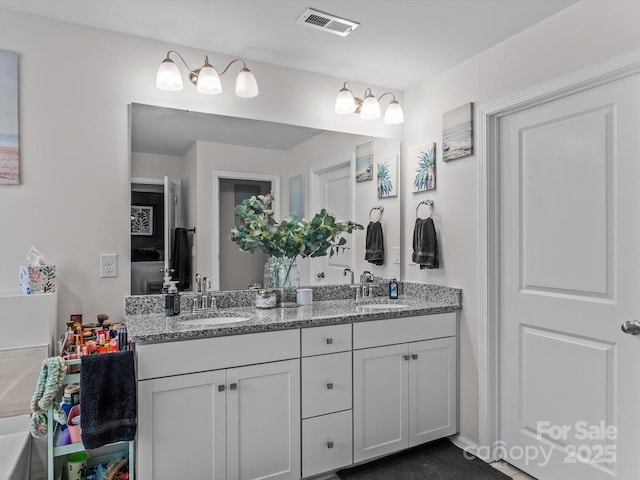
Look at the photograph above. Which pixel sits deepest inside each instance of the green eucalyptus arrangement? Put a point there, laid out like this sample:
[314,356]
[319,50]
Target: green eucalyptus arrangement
[290,238]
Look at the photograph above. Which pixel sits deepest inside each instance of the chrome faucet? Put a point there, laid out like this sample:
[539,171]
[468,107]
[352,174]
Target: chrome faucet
[203,300]
[348,270]
[199,282]
[364,290]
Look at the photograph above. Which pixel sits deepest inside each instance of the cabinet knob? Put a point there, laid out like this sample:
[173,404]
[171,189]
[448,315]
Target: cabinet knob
[407,357]
[233,386]
[329,444]
[329,386]
[329,341]
[221,388]
[414,356]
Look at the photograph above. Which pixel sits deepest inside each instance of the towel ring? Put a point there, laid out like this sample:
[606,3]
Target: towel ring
[425,202]
[380,209]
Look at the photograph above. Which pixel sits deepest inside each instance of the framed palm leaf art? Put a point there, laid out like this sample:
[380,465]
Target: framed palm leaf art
[387,173]
[425,169]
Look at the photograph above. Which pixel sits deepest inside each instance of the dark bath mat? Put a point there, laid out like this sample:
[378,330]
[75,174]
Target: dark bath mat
[438,460]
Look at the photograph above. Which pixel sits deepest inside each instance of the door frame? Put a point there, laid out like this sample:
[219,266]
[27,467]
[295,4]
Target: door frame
[178,213]
[487,119]
[230,175]
[314,188]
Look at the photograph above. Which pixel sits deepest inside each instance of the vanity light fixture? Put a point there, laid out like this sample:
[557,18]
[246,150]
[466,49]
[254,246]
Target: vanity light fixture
[206,79]
[369,108]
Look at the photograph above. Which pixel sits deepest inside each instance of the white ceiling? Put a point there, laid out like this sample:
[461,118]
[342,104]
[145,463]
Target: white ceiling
[398,44]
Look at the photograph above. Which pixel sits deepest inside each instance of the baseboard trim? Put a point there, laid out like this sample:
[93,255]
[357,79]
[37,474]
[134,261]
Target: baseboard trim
[467,445]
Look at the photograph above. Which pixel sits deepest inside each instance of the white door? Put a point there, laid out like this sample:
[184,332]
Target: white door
[334,195]
[181,425]
[380,404]
[263,422]
[570,277]
[432,390]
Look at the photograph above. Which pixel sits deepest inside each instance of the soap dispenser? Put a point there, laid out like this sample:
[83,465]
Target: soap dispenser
[393,289]
[172,300]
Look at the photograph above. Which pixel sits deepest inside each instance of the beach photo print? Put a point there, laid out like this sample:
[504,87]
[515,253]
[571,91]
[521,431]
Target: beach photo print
[9,152]
[457,133]
[364,162]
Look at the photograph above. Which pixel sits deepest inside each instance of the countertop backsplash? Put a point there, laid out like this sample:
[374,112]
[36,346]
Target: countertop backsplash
[149,304]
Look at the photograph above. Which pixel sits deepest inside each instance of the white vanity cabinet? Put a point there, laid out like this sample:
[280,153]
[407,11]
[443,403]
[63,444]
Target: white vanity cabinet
[234,422]
[405,383]
[326,399]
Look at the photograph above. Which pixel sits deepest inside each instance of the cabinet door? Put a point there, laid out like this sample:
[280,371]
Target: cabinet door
[432,390]
[181,427]
[263,421]
[380,417]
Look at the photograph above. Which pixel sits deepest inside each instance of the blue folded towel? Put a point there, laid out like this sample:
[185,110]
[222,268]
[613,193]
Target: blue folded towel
[108,398]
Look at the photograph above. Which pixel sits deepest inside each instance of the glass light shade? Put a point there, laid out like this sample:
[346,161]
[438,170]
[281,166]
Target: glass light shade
[208,81]
[345,102]
[168,77]
[246,85]
[370,109]
[393,113]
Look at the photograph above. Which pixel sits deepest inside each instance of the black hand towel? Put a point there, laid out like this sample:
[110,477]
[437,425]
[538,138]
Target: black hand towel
[374,244]
[181,259]
[425,244]
[108,398]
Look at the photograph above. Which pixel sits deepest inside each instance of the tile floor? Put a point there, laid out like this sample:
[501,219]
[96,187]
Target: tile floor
[511,471]
[504,467]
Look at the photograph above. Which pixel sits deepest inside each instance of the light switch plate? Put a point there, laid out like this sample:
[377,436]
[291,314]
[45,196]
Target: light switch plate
[396,255]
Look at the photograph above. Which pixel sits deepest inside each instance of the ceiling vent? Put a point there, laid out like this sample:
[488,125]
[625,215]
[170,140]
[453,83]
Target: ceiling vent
[327,22]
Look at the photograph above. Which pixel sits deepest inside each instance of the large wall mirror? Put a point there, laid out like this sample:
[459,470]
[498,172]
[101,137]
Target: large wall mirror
[189,169]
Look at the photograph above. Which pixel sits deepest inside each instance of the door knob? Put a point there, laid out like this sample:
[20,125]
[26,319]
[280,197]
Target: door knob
[320,275]
[632,327]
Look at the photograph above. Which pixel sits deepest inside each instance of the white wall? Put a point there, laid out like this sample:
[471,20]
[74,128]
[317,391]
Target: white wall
[75,87]
[76,84]
[219,157]
[582,35]
[330,148]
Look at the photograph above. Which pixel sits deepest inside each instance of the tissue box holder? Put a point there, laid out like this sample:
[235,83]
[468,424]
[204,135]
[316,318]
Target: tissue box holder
[37,279]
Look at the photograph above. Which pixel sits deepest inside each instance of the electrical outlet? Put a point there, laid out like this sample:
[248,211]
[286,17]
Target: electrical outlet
[396,255]
[108,265]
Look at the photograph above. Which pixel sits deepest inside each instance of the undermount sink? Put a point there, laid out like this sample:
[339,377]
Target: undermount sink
[382,306]
[214,320]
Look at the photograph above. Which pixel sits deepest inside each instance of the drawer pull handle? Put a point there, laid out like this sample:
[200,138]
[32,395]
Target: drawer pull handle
[329,386]
[221,388]
[233,386]
[407,357]
[329,444]
[329,341]
[414,356]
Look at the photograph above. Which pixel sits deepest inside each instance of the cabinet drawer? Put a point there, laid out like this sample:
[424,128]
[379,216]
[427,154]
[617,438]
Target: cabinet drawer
[326,384]
[402,330]
[326,339]
[326,443]
[201,354]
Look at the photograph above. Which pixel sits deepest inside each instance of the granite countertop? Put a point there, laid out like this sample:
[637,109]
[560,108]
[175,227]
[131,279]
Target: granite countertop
[156,327]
